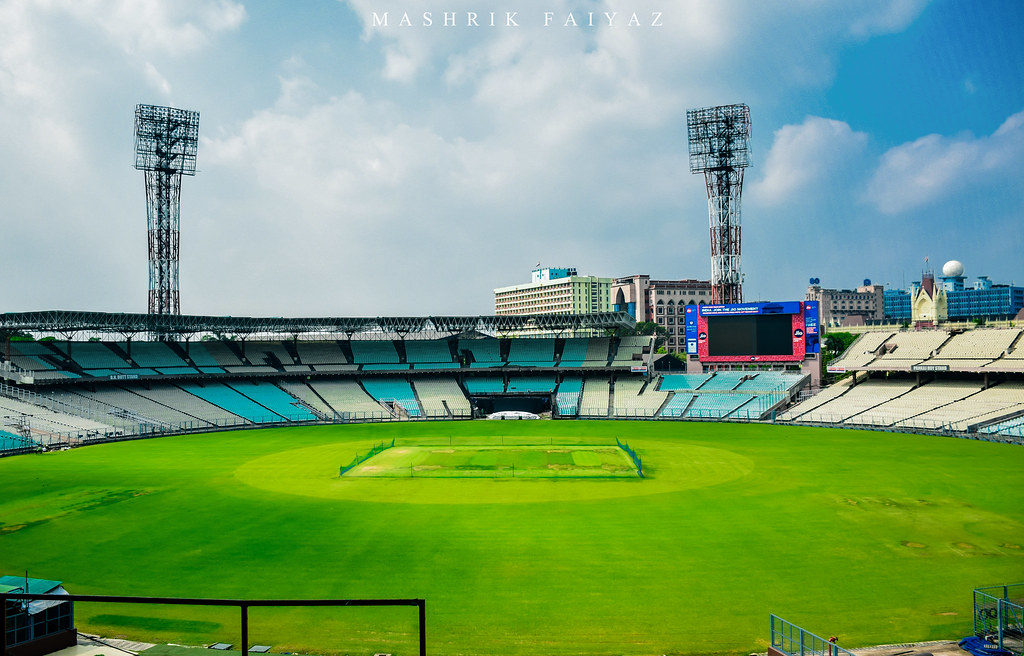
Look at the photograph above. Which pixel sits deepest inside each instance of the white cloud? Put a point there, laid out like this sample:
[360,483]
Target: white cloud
[146,26]
[934,167]
[399,66]
[35,65]
[804,155]
[55,54]
[22,73]
[156,80]
[886,17]
[351,170]
[418,168]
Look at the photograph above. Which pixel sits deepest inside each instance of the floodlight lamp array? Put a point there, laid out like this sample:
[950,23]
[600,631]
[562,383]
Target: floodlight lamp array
[166,139]
[719,137]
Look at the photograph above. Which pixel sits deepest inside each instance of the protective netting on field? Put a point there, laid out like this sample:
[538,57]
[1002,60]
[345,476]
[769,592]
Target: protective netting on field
[363,457]
[632,456]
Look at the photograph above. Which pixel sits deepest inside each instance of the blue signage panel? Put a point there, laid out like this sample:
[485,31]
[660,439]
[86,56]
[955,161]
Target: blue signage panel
[691,329]
[813,341]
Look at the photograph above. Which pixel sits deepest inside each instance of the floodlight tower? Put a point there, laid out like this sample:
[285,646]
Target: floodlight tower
[719,139]
[166,144]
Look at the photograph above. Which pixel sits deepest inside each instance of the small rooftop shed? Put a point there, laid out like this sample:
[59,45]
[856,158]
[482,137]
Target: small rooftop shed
[36,627]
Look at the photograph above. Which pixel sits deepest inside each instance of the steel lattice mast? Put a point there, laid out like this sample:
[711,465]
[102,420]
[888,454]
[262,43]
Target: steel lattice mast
[719,142]
[166,144]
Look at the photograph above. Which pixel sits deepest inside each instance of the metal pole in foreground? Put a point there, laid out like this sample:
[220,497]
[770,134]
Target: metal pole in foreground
[245,629]
[423,626]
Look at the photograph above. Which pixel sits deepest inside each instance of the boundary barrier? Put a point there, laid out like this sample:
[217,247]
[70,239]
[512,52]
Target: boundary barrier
[788,638]
[242,604]
[998,612]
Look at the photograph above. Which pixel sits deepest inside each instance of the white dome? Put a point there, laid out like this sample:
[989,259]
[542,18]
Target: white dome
[953,268]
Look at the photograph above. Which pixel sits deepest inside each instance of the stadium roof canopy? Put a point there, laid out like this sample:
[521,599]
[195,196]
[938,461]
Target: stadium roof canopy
[69,323]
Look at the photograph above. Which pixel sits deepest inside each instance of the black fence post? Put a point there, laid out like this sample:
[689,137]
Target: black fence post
[243,606]
[423,626]
[245,629]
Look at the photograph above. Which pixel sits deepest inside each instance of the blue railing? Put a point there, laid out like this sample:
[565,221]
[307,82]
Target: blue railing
[790,639]
[998,611]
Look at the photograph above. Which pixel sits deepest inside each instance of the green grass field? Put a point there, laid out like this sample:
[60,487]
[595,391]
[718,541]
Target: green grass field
[498,461]
[874,537]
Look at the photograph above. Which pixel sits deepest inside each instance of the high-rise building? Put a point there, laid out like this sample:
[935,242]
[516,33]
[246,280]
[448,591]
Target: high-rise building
[555,291]
[660,302]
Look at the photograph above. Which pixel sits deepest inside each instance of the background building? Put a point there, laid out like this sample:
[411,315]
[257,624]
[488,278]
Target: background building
[897,305]
[840,307]
[555,291]
[928,302]
[982,300]
[660,302]
[959,302]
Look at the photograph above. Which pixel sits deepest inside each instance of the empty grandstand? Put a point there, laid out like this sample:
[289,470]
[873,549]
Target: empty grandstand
[574,352]
[346,399]
[234,402]
[635,397]
[429,354]
[932,380]
[442,397]
[395,393]
[568,398]
[596,399]
[481,352]
[538,352]
[936,350]
[319,353]
[70,392]
[728,394]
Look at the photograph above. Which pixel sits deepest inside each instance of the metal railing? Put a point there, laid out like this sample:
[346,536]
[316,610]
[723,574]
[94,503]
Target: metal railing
[999,612]
[242,604]
[86,409]
[789,638]
[42,438]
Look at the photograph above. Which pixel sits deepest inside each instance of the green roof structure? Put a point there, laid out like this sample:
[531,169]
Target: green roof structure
[35,586]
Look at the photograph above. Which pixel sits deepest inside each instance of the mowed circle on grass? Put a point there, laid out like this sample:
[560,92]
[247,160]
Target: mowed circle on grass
[313,471]
[871,536]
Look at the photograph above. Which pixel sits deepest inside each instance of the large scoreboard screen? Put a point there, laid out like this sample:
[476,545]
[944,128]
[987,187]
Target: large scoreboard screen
[759,334]
[752,332]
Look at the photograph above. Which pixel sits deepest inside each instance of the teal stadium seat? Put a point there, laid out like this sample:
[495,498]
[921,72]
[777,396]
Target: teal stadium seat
[396,389]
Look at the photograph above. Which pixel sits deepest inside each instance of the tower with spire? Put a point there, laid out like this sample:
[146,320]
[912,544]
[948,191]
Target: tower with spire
[928,303]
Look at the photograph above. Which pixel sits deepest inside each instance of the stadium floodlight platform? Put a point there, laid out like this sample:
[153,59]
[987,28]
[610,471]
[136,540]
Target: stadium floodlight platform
[69,323]
[166,144]
[719,145]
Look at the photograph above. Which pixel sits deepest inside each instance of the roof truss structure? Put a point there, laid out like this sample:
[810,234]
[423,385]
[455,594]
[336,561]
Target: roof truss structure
[70,323]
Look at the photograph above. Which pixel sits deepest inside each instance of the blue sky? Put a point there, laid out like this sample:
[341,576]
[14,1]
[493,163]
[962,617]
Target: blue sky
[353,169]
